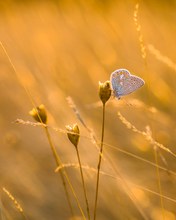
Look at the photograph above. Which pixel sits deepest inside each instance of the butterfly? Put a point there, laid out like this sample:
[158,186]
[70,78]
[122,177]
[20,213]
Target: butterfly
[124,83]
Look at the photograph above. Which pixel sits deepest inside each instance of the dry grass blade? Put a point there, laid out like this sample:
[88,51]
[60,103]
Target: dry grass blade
[138,29]
[17,205]
[141,159]
[2,216]
[147,134]
[159,56]
[75,110]
[91,169]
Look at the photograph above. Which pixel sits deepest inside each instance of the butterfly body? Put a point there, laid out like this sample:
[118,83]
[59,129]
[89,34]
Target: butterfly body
[124,83]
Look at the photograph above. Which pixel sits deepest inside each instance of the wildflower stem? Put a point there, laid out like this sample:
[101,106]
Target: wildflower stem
[83,183]
[63,175]
[99,163]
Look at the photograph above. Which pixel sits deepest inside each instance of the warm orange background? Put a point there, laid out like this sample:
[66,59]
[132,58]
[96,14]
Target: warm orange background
[64,48]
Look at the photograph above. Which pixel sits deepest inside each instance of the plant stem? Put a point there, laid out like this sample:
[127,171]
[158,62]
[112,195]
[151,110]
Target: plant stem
[22,213]
[84,187]
[159,182]
[99,163]
[57,159]
[63,175]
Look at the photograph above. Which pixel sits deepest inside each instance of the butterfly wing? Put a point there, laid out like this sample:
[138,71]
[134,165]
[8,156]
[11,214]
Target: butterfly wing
[131,84]
[123,83]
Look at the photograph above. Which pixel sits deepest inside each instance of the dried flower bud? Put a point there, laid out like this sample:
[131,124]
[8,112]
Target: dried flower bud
[39,114]
[73,134]
[104,91]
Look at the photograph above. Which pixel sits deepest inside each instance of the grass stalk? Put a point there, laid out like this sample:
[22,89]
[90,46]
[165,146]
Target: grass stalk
[99,163]
[64,175]
[159,183]
[17,205]
[83,183]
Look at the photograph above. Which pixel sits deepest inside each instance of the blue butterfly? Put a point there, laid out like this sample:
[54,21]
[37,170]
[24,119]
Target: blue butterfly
[124,83]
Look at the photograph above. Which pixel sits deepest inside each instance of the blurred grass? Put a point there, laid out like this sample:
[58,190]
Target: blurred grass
[62,48]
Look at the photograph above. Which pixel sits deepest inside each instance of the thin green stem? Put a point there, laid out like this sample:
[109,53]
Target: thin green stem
[83,183]
[99,163]
[64,175]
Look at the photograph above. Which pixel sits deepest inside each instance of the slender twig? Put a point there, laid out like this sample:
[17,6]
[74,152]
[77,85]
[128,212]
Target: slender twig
[99,163]
[83,182]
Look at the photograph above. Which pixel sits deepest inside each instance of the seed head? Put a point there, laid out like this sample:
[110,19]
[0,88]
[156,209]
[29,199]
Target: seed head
[73,134]
[39,114]
[104,91]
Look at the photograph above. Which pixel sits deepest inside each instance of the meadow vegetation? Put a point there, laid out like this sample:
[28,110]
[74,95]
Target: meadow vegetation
[55,60]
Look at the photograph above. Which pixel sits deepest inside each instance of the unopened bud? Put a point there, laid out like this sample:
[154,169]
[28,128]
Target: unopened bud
[39,114]
[73,134]
[104,91]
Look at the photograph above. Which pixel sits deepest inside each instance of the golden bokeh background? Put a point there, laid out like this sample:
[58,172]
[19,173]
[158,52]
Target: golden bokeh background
[64,48]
